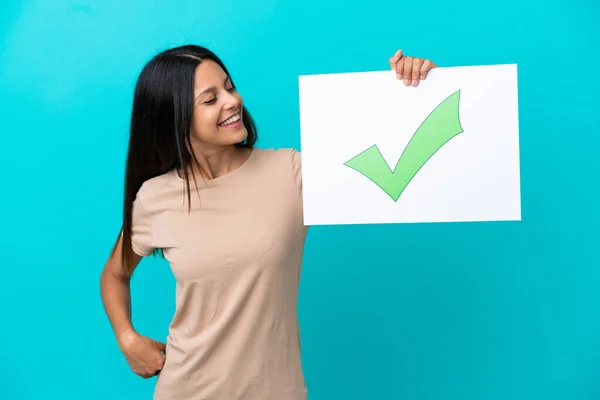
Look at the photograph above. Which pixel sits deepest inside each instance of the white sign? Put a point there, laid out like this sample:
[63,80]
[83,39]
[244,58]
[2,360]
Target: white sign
[376,151]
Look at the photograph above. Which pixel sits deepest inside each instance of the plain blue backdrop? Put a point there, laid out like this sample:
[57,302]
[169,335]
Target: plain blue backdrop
[468,311]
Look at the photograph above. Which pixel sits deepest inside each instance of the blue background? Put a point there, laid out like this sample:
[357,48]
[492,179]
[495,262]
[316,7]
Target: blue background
[465,311]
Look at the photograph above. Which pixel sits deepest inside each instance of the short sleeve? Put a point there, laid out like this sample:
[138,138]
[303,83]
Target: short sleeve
[297,170]
[141,229]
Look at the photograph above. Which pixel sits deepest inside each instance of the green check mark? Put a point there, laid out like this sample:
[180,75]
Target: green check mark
[436,130]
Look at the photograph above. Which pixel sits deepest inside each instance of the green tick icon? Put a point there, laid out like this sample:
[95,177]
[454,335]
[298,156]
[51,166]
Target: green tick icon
[436,130]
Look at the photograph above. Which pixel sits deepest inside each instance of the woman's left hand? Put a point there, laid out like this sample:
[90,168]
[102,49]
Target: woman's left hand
[410,69]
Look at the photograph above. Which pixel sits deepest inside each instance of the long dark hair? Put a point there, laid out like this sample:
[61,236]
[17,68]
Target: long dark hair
[159,138]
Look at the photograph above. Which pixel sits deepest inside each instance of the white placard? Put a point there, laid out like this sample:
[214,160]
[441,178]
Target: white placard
[456,135]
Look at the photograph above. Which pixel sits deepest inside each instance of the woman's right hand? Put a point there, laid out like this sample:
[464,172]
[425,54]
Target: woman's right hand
[145,356]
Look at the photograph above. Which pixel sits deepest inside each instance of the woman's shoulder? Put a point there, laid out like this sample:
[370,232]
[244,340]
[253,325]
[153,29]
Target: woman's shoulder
[155,188]
[285,162]
[275,150]
[282,155]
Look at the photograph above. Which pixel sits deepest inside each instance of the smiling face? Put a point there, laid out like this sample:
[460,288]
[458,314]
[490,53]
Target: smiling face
[218,107]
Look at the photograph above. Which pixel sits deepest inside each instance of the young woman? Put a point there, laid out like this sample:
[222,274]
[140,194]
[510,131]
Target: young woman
[228,218]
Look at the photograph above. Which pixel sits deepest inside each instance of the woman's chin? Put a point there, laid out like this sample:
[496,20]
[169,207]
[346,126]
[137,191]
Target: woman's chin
[237,136]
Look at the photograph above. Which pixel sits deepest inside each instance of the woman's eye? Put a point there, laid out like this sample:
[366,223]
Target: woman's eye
[214,99]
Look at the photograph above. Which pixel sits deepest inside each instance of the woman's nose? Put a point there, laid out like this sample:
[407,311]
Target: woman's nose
[232,101]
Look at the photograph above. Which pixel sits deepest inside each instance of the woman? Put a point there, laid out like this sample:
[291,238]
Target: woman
[228,218]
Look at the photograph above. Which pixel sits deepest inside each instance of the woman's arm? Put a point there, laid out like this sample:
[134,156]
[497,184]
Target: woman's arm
[115,292]
[144,355]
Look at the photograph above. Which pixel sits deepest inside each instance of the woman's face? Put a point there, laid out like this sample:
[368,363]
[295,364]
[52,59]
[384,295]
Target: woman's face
[217,116]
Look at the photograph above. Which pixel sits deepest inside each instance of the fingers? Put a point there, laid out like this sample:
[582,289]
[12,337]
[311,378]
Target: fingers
[160,346]
[147,357]
[400,69]
[394,59]
[158,359]
[143,371]
[150,369]
[397,64]
[412,70]
[425,67]
[408,70]
[416,71]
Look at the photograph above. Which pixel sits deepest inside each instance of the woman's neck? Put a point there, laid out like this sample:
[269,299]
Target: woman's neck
[218,161]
